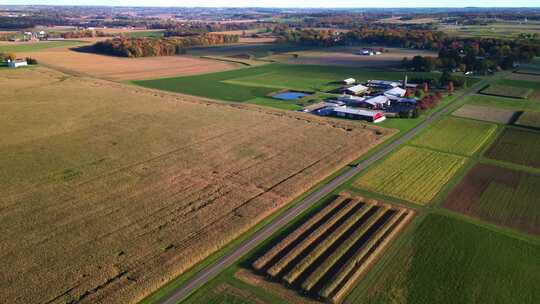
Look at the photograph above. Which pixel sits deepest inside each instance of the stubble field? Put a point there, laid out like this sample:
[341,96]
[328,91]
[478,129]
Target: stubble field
[347,57]
[501,116]
[109,191]
[119,69]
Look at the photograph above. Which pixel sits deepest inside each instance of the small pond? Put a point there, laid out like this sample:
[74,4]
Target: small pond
[290,95]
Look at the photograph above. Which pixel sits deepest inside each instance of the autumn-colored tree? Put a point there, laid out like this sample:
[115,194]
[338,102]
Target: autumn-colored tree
[451,88]
[408,92]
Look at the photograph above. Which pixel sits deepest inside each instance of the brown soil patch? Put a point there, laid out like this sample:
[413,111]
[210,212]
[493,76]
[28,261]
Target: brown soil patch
[499,195]
[502,116]
[275,288]
[119,69]
[237,292]
[347,57]
[109,191]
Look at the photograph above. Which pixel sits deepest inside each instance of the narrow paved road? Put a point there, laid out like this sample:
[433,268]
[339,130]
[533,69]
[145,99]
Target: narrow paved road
[214,269]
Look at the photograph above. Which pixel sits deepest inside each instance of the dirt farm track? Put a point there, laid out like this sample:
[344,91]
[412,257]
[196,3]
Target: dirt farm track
[113,190]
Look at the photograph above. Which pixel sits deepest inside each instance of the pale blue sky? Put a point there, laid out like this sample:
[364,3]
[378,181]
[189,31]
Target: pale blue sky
[290,3]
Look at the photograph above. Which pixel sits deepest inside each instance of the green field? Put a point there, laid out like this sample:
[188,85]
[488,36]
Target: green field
[412,174]
[517,146]
[145,34]
[499,195]
[507,91]
[529,120]
[502,102]
[456,135]
[449,261]
[522,84]
[35,46]
[252,85]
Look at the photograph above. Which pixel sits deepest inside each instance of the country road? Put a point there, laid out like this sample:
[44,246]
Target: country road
[215,268]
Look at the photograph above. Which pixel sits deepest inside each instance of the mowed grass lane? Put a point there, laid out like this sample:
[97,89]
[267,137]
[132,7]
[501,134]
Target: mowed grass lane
[35,46]
[450,261]
[456,135]
[413,174]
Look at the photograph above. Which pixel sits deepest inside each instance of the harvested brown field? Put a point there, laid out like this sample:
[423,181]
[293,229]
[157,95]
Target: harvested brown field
[108,191]
[345,56]
[119,69]
[327,265]
[497,115]
[499,195]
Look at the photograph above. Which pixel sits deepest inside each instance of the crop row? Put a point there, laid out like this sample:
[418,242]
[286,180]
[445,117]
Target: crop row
[295,235]
[321,247]
[275,269]
[413,174]
[348,274]
[327,264]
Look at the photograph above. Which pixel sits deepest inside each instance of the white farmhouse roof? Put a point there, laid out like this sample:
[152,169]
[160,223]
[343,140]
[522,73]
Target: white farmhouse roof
[378,100]
[349,110]
[384,83]
[397,92]
[349,80]
[349,98]
[357,89]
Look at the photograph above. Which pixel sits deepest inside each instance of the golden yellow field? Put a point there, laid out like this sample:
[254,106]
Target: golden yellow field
[119,69]
[413,174]
[107,191]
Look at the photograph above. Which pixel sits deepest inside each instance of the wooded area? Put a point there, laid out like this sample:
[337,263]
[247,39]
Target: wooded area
[149,47]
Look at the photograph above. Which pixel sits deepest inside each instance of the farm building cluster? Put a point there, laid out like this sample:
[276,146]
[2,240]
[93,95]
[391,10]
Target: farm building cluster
[374,101]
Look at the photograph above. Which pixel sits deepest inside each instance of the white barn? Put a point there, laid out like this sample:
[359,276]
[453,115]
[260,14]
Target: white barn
[349,81]
[17,63]
[396,92]
[357,89]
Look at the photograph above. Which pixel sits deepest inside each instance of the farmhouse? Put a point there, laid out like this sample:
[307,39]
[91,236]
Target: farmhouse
[377,102]
[17,63]
[353,113]
[349,81]
[383,84]
[356,90]
[351,100]
[395,92]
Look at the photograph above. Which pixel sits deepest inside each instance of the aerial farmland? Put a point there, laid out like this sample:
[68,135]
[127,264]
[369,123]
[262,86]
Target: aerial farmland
[175,155]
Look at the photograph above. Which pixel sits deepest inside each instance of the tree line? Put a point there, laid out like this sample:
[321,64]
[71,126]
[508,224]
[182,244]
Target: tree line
[148,47]
[454,53]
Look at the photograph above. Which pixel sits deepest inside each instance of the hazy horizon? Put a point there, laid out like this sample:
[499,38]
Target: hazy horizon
[289,4]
